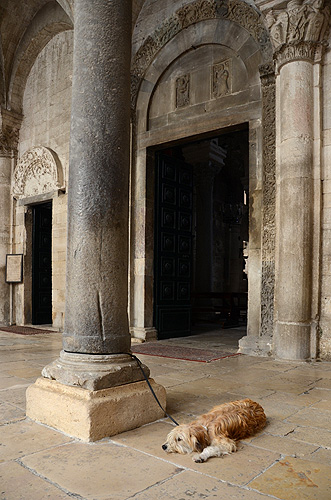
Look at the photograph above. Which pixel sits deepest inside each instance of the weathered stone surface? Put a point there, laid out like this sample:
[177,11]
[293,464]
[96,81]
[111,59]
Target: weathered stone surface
[94,372]
[93,415]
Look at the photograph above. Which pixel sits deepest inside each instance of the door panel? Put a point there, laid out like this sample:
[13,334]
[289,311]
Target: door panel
[173,247]
[42,264]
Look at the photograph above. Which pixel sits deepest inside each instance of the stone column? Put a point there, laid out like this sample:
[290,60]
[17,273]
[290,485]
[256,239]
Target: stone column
[96,336]
[297,34]
[8,153]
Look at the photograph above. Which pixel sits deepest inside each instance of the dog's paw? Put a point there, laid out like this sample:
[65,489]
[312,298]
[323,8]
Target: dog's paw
[198,459]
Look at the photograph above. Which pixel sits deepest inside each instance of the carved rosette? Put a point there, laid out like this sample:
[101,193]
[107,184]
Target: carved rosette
[38,171]
[267,74]
[200,10]
[300,31]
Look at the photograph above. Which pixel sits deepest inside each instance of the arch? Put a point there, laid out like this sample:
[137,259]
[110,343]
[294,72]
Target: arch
[237,11]
[38,171]
[48,22]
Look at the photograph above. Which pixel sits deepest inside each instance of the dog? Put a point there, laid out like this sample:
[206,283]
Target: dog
[217,432]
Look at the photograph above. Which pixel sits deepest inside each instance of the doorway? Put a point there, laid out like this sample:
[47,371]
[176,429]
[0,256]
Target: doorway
[201,234]
[42,264]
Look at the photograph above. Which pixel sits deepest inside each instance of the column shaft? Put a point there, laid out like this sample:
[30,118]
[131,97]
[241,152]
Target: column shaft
[96,288]
[295,191]
[5,201]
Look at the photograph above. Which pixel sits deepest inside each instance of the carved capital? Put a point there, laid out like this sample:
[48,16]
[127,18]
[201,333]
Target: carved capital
[299,51]
[9,141]
[300,31]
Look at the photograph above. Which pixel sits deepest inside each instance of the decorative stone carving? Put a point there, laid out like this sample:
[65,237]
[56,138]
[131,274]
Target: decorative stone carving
[183,91]
[8,141]
[301,21]
[222,78]
[38,171]
[267,74]
[197,11]
[300,31]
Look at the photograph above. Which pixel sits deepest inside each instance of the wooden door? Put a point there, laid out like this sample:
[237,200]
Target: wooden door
[42,264]
[173,247]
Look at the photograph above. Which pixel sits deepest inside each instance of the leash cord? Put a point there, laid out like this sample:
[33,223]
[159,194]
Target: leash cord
[151,388]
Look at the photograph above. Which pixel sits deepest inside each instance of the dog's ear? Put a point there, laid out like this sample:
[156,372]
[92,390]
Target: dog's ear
[199,437]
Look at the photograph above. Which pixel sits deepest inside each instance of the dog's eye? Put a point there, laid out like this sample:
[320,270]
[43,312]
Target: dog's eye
[179,439]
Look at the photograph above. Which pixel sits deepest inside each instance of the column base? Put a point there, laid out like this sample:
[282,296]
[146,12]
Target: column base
[292,340]
[256,346]
[144,333]
[93,415]
[94,371]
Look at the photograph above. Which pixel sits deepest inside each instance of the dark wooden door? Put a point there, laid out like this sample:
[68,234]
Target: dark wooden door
[42,264]
[173,247]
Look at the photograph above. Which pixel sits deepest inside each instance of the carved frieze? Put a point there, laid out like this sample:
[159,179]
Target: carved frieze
[183,91]
[199,10]
[222,78]
[38,171]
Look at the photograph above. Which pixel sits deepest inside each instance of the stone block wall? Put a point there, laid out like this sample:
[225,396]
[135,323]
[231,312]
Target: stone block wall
[46,122]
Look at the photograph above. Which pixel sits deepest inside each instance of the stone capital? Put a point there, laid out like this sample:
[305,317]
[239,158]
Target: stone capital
[300,31]
[10,123]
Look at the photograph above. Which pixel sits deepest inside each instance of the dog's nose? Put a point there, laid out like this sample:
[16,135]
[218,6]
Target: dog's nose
[164,447]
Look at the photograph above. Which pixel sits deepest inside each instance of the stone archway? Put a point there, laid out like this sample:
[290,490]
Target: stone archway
[184,31]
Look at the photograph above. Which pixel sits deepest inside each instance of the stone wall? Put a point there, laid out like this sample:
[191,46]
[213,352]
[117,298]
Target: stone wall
[46,123]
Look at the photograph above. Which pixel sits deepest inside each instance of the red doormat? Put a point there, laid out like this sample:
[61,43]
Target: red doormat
[180,352]
[23,330]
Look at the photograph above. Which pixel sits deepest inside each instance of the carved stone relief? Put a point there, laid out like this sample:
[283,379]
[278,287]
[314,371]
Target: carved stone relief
[183,91]
[299,32]
[222,78]
[267,74]
[200,10]
[38,171]
[8,141]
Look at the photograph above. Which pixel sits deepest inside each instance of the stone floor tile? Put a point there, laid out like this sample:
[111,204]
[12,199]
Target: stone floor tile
[188,485]
[277,428]
[312,417]
[324,383]
[237,468]
[284,446]
[25,373]
[323,405]
[322,456]
[275,410]
[294,479]
[280,398]
[24,437]
[9,382]
[18,483]
[99,471]
[320,394]
[319,437]
[15,395]
[10,413]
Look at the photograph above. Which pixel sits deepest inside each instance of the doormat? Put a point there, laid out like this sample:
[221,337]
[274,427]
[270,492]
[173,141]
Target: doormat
[23,330]
[180,352]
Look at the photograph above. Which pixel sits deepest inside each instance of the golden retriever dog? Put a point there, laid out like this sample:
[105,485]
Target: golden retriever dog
[217,432]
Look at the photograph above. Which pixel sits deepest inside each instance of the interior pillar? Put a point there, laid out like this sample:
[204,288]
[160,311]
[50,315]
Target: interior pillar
[96,339]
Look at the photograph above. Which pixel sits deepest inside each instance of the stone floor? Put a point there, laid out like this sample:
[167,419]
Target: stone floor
[289,460]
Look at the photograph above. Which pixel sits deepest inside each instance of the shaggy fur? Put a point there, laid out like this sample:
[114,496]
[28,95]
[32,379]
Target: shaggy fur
[217,432]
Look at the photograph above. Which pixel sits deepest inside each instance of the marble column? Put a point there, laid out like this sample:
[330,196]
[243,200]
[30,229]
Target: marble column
[96,339]
[299,48]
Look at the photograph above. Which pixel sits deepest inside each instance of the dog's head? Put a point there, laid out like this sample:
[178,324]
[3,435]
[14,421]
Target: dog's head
[185,439]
